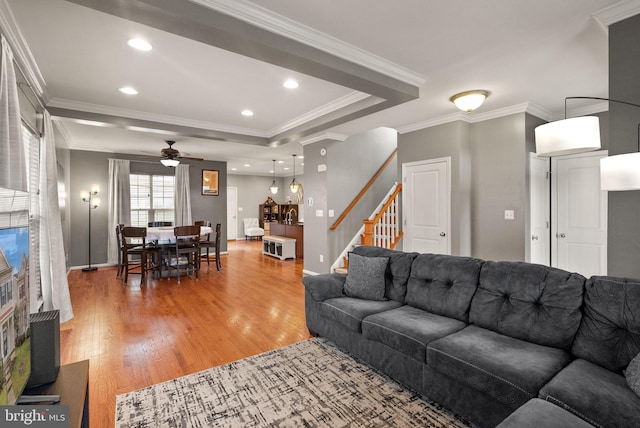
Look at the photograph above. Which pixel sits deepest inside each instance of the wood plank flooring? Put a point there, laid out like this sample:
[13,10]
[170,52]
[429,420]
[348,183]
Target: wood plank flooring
[139,334]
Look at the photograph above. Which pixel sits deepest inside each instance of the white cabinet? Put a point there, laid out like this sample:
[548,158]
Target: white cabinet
[279,246]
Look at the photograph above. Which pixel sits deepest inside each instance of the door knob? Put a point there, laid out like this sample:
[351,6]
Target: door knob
[443,234]
[561,235]
[534,237]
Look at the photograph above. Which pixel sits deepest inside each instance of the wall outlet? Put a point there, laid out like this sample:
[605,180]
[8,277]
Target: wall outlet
[509,215]
[321,258]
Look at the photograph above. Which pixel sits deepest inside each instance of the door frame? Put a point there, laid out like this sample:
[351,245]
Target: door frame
[447,161]
[230,226]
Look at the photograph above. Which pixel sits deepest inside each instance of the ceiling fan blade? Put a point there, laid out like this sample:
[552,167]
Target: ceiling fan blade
[190,158]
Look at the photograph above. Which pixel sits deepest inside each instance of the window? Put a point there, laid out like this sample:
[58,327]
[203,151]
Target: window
[152,198]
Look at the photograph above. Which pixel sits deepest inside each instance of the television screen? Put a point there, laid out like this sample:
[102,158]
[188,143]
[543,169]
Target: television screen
[15,343]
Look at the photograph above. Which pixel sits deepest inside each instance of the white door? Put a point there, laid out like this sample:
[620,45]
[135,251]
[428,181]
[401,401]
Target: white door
[426,206]
[540,193]
[232,213]
[579,209]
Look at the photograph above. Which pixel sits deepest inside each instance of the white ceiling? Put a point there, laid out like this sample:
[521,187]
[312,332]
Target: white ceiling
[528,54]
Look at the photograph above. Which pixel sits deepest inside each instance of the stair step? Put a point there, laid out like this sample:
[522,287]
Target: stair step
[340,270]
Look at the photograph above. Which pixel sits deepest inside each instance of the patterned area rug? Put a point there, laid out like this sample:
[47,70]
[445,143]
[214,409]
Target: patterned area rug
[308,384]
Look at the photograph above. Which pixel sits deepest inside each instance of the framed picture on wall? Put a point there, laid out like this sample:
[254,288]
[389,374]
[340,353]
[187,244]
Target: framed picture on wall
[209,182]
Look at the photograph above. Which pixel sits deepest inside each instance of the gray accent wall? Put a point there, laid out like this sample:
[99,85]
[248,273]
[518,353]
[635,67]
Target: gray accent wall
[87,168]
[489,168]
[624,69]
[254,190]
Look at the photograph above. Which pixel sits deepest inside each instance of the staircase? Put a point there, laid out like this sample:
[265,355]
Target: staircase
[381,229]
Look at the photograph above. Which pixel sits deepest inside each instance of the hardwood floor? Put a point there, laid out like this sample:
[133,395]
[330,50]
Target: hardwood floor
[137,336]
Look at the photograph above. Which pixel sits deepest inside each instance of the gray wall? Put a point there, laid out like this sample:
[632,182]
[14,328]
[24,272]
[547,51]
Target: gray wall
[448,140]
[254,190]
[489,168]
[624,69]
[350,165]
[87,168]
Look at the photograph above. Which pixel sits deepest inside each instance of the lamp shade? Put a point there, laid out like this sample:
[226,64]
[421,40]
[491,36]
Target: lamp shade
[568,136]
[620,172]
[170,162]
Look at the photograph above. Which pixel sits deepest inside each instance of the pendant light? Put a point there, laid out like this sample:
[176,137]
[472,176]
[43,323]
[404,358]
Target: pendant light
[294,186]
[274,186]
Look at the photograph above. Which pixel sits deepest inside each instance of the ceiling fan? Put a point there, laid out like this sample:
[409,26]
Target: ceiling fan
[172,157]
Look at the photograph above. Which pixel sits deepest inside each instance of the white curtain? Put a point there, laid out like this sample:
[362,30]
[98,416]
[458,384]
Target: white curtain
[53,269]
[119,204]
[13,163]
[183,196]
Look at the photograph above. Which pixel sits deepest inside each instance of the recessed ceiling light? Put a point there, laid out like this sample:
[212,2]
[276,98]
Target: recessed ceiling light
[140,44]
[247,165]
[280,161]
[234,169]
[128,90]
[286,168]
[291,84]
[247,113]
[300,157]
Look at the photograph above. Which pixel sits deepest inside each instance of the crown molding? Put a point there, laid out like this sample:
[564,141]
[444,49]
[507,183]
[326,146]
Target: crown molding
[278,24]
[135,114]
[22,51]
[323,137]
[64,132]
[617,12]
[342,102]
[477,117]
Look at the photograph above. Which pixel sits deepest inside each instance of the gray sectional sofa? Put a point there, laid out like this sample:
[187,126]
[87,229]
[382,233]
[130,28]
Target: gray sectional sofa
[486,338]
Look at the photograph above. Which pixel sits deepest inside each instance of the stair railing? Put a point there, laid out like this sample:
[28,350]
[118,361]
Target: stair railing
[383,230]
[390,199]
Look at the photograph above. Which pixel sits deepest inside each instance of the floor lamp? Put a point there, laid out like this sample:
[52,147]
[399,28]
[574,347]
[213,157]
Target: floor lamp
[93,204]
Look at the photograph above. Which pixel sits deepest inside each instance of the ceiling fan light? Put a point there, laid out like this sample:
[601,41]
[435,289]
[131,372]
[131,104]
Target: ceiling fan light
[170,162]
[469,100]
[620,172]
[568,136]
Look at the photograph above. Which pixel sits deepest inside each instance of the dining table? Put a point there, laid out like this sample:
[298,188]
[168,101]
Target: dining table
[164,234]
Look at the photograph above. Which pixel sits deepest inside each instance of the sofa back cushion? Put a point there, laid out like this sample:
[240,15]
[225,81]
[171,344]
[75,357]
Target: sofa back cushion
[609,334]
[531,302]
[443,285]
[398,269]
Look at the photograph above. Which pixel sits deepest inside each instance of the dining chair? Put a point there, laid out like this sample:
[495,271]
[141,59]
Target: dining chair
[217,246]
[185,253]
[138,257]
[205,240]
[119,242]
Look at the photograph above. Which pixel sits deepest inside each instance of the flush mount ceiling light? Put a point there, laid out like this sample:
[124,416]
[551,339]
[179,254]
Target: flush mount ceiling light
[140,44]
[247,113]
[469,100]
[128,90]
[274,187]
[294,186]
[291,84]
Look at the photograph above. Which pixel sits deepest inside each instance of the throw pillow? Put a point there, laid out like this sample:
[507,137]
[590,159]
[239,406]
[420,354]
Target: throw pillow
[365,277]
[633,374]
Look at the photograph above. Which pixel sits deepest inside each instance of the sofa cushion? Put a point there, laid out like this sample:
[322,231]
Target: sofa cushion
[443,284]
[408,329]
[609,334]
[537,413]
[510,370]
[365,278]
[326,286]
[597,395]
[531,302]
[397,275]
[632,374]
[350,311]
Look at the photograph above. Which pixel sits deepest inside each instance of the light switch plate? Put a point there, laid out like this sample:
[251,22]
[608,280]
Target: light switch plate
[319,213]
[509,215]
